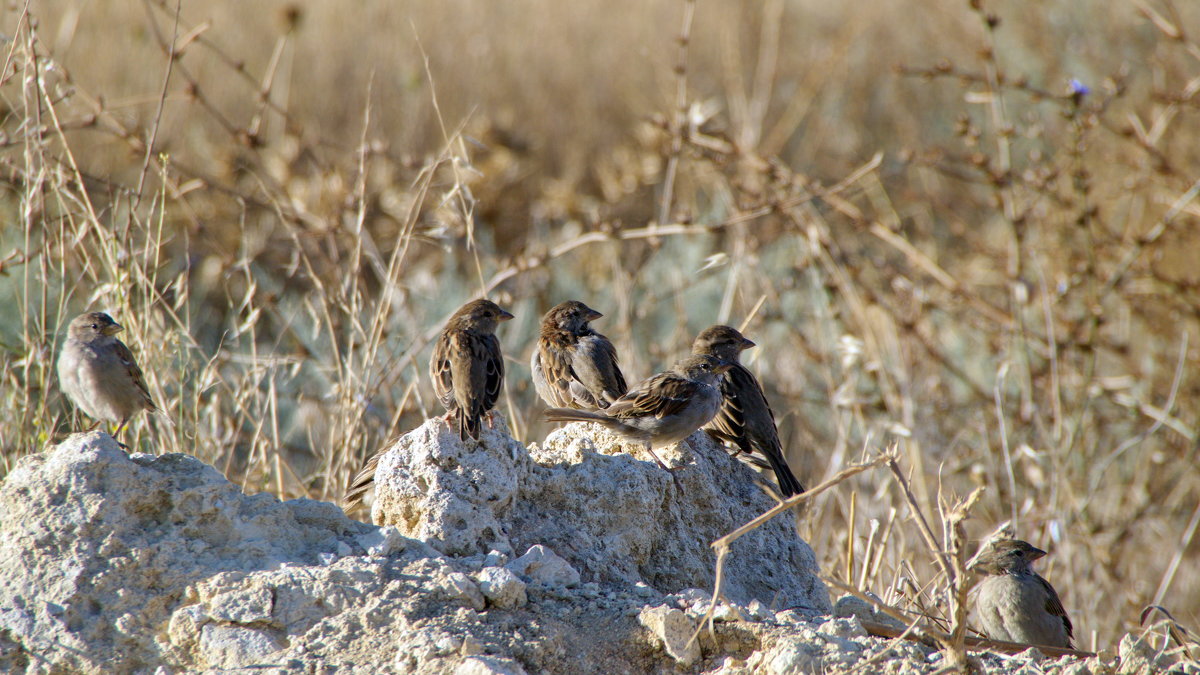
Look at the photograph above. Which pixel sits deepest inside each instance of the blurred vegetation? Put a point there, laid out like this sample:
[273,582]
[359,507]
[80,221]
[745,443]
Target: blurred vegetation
[967,228]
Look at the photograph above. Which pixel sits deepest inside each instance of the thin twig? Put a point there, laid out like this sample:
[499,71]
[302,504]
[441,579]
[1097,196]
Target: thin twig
[722,544]
[152,142]
[679,123]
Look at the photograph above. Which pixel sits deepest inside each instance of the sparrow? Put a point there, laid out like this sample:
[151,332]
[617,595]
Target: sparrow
[1014,602]
[574,366]
[99,374]
[662,410]
[745,418]
[467,369]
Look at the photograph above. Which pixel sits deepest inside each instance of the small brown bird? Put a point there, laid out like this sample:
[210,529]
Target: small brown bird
[1015,603]
[467,368]
[745,418]
[99,374]
[574,366]
[662,410]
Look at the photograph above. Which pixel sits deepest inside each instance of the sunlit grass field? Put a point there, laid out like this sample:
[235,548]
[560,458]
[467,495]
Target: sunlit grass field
[964,229]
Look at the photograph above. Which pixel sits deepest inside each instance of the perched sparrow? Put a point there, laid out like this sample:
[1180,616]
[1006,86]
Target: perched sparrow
[573,365]
[467,369]
[467,372]
[664,409]
[98,373]
[1014,602]
[745,418]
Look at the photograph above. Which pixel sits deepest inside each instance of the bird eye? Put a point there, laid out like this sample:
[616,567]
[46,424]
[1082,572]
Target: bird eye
[95,327]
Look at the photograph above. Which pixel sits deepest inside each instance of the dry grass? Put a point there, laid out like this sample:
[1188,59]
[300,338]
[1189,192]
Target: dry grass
[936,245]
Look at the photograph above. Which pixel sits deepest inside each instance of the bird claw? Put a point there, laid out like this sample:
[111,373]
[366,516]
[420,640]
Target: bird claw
[117,435]
[671,471]
[662,463]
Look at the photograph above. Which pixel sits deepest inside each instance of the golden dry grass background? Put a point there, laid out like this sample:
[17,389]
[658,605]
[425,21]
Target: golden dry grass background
[935,245]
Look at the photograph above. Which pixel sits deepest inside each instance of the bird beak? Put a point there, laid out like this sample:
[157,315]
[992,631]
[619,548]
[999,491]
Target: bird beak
[1036,553]
[592,315]
[114,329]
[504,316]
[747,343]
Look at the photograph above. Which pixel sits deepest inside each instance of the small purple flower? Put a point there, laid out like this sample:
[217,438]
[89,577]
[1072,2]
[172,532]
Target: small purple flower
[1078,88]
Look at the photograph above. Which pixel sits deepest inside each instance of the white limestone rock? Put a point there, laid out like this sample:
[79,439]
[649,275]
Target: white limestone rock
[1138,656]
[852,606]
[223,646]
[113,563]
[385,541]
[97,548]
[673,630]
[794,657]
[545,567]
[451,494]
[488,665]
[460,587]
[602,504]
[501,587]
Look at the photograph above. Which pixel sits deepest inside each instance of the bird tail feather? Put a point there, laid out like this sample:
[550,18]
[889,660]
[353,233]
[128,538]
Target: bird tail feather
[788,483]
[571,415]
[468,425]
[361,483]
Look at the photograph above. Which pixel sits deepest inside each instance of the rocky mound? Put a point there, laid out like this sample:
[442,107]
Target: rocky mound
[601,503]
[118,563]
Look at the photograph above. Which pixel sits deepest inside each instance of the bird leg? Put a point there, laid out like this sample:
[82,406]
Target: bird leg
[650,449]
[117,435]
[671,472]
[94,425]
[490,416]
